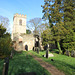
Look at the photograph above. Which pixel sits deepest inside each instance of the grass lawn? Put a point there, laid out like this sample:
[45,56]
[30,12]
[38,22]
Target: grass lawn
[21,63]
[62,62]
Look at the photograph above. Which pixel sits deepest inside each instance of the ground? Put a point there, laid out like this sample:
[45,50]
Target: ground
[61,62]
[30,61]
[23,63]
[49,67]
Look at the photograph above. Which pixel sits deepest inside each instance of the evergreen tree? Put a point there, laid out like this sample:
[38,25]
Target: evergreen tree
[69,24]
[52,12]
[47,9]
[61,17]
[5,42]
[47,37]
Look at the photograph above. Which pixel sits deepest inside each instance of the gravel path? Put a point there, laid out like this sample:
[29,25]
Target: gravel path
[53,70]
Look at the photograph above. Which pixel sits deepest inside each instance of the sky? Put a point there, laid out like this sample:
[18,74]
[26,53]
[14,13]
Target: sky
[31,8]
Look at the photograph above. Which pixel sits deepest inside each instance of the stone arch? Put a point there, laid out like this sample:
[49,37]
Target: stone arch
[26,47]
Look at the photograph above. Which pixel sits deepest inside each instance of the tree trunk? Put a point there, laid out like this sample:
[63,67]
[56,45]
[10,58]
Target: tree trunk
[58,45]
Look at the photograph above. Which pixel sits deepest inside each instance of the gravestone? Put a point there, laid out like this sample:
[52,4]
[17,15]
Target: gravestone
[50,55]
[52,59]
[47,53]
[44,55]
[6,66]
[73,53]
[35,49]
[4,69]
[38,50]
[67,53]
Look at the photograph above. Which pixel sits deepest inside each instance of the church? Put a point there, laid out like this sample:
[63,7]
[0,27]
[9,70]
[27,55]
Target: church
[21,40]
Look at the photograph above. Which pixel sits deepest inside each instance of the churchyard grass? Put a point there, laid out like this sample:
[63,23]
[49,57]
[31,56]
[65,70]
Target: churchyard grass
[23,63]
[62,62]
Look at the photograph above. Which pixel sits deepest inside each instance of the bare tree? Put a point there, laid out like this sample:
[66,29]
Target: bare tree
[36,25]
[5,22]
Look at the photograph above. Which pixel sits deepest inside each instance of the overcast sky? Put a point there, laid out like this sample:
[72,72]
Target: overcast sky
[31,8]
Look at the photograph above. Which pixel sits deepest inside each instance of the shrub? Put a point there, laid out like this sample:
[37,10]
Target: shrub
[5,47]
[69,46]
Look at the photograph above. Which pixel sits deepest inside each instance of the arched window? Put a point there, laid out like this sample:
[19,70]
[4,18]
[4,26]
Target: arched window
[20,22]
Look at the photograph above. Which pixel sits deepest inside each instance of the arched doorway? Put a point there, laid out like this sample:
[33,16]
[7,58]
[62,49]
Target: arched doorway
[26,47]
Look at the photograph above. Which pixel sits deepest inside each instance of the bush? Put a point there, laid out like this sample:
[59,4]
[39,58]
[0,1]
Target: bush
[69,46]
[5,47]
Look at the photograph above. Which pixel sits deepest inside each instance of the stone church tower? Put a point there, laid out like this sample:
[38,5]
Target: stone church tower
[19,22]
[21,40]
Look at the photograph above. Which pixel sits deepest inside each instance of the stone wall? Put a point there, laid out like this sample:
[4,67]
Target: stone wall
[21,40]
[28,40]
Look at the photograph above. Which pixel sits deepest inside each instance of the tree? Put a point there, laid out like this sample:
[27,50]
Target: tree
[34,24]
[5,22]
[47,37]
[47,11]
[59,33]
[69,23]
[5,42]
[61,17]
[53,14]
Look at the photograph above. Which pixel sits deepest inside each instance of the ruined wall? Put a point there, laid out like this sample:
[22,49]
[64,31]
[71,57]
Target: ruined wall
[20,39]
[28,40]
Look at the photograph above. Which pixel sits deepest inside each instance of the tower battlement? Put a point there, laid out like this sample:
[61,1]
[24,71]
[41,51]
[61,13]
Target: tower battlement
[19,23]
[19,15]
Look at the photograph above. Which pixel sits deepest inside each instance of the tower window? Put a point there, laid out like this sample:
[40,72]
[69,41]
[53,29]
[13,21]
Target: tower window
[20,22]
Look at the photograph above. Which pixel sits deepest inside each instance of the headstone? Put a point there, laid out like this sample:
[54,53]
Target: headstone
[44,55]
[35,49]
[38,50]
[47,53]
[67,53]
[50,55]
[52,59]
[4,69]
[6,66]
[73,53]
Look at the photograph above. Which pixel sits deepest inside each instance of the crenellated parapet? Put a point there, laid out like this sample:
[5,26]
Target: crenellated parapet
[19,15]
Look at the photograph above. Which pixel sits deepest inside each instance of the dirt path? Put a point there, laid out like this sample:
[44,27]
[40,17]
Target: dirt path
[53,70]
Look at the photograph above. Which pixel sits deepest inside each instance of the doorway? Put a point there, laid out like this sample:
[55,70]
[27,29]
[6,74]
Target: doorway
[26,47]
